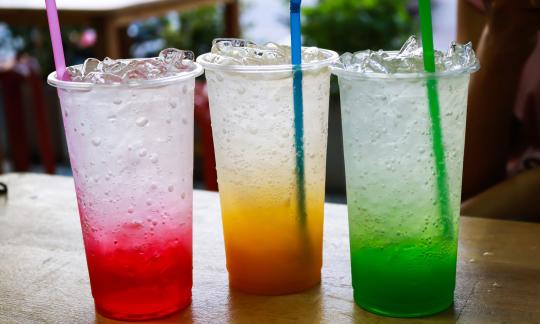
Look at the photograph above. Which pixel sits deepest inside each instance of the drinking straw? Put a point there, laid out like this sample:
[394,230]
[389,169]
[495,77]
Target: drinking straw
[296,58]
[435,116]
[56,39]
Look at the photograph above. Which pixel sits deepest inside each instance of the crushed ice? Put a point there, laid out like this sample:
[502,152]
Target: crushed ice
[243,52]
[170,62]
[408,60]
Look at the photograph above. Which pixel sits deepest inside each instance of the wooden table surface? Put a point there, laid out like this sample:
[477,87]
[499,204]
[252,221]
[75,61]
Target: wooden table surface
[43,275]
[110,18]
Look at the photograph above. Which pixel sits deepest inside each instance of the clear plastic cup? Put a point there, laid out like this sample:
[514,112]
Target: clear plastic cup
[403,254]
[131,152]
[269,249]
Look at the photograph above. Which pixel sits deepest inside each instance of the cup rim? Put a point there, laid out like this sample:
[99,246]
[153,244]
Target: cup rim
[341,72]
[331,57]
[70,85]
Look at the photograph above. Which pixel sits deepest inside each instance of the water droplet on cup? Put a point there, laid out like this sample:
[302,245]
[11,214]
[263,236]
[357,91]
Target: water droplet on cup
[172,104]
[170,188]
[96,141]
[142,153]
[130,210]
[252,130]
[141,121]
[154,158]
[117,101]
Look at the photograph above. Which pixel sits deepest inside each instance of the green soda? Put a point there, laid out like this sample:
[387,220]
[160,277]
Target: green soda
[403,248]
[406,278]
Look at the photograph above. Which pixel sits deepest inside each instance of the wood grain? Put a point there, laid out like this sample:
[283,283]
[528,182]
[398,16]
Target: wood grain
[43,275]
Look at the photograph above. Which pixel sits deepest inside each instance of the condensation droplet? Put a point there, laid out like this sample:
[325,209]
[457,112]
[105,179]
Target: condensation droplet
[117,101]
[183,195]
[170,188]
[252,130]
[154,158]
[141,121]
[96,141]
[172,104]
[142,152]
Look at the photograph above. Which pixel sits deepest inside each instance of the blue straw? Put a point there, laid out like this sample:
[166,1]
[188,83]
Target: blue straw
[296,52]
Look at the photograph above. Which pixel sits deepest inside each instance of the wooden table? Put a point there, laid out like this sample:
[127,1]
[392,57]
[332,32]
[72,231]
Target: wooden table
[43,275]
[110,18]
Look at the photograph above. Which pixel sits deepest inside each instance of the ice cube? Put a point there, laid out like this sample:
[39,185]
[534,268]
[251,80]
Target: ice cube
[460,56]
[170,62]
[91,65]
[75,73]
[409,59]
[232,42]
[244,52]
[113,66]
[375,62]
[311,54]
[410,47]
[131,75]
[101,78]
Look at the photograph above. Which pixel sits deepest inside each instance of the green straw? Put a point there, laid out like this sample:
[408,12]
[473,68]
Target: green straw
[435,116]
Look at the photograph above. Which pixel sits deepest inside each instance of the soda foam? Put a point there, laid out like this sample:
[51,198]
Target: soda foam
[244,52]
[409,59]
[170,62]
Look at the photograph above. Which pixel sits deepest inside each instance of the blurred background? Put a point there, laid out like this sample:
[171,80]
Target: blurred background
[31,131]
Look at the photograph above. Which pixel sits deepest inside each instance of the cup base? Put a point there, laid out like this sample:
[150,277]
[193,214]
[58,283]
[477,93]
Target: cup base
[273,288]
[414,313]
[147,316]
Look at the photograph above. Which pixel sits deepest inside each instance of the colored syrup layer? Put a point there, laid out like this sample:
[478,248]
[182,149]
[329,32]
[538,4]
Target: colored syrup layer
[267,252]
[140,270]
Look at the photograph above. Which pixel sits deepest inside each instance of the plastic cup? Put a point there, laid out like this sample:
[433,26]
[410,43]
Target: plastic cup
[269,249]
[403,258]
[131,153]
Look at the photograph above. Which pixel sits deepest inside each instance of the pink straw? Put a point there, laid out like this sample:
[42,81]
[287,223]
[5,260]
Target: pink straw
[56,39]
